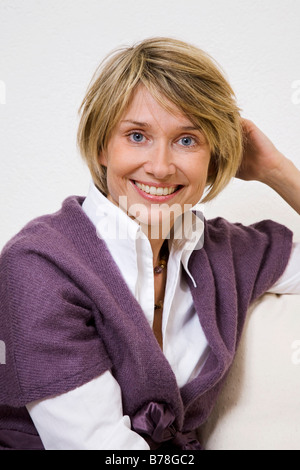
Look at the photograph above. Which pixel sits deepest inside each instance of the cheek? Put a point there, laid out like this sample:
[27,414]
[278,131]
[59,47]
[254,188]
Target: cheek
[120,162]
[118,173]
[118,177]
[116,166]
[198,173]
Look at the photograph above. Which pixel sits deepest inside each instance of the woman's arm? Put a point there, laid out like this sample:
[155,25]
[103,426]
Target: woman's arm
[87,418]
[263,162]
[289,283]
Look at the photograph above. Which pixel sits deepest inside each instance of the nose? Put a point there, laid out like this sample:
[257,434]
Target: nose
[160,163]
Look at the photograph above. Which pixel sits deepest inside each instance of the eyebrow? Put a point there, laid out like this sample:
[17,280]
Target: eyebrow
[136,123]
[146,125]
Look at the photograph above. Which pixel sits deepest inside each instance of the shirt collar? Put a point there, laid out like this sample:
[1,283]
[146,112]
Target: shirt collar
[121,232]
[188,236]
[118,225]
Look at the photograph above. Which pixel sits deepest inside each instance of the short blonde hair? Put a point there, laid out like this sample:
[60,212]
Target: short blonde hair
[168,68]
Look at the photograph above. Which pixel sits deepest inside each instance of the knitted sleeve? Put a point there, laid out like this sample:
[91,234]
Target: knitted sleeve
[257,254]
[279,247]
[239,264]
[266,248]
[48,328]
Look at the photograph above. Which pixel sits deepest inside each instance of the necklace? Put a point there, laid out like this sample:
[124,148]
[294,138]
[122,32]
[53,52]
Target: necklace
[162,264]
[159,305]
[163,260]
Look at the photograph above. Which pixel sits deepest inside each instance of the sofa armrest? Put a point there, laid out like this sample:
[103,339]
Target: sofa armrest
[259,407]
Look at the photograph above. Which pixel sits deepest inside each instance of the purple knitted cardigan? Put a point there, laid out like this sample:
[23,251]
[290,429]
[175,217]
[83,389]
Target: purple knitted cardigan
[67,315]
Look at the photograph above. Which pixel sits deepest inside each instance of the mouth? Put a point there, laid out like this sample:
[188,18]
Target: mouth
[154,191]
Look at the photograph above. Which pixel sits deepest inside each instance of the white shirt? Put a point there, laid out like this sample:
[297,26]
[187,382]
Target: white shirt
[132,252]
[98,422]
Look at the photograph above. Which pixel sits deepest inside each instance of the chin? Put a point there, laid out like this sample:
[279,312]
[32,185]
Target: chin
[156,220]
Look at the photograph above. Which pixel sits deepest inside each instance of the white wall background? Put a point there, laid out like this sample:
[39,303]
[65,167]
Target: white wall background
[49,50]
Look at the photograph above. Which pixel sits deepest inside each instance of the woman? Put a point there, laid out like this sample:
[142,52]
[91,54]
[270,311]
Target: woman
[121,313]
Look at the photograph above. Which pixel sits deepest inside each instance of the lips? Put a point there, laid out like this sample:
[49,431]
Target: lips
[156,190]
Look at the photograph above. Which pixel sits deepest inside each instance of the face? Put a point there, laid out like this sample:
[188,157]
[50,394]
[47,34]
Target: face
[157,162]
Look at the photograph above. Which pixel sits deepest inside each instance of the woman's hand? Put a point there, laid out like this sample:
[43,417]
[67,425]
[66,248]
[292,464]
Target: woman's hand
[261,159]
[263,162]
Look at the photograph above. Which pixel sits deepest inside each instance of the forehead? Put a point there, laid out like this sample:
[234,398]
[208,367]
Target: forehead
[144,107]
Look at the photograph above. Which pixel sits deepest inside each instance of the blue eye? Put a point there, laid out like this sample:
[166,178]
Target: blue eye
[137,137]
[187,141]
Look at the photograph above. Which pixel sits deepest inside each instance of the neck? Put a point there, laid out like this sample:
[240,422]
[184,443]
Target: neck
[156,248]
[156,239]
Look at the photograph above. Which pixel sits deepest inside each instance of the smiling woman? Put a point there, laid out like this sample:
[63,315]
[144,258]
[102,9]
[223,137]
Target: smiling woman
[182,79]
[150,159]
[137,333]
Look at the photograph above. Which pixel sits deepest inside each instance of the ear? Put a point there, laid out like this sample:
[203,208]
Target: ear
[102,157]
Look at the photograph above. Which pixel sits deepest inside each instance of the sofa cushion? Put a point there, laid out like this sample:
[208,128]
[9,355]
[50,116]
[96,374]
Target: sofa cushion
[259,407]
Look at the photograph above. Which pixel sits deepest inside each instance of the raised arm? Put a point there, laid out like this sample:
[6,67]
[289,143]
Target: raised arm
[263,162]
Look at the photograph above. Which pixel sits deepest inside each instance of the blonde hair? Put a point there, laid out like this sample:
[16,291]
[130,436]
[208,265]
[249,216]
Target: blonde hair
[189,79]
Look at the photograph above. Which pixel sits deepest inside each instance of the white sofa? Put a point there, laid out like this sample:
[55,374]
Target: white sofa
[259,407]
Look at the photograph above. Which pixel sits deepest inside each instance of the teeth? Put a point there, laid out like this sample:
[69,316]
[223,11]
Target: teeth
[156,191]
